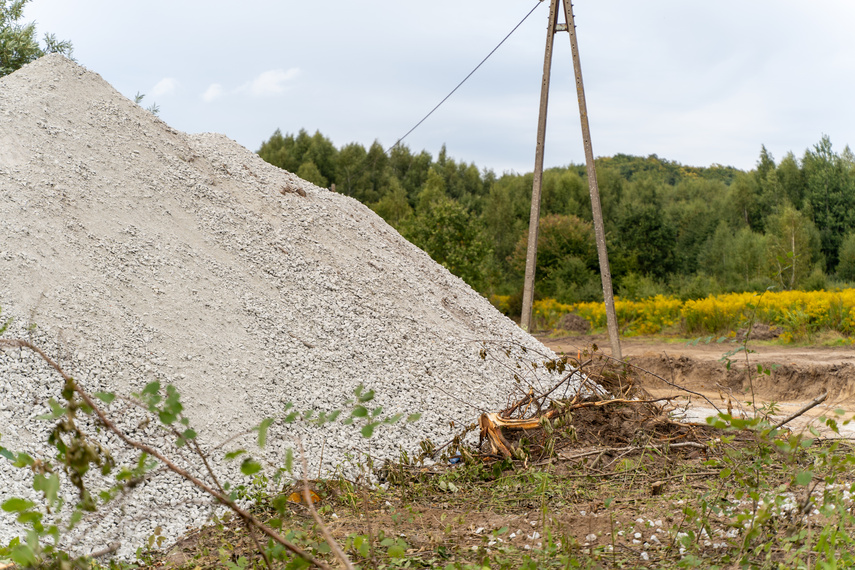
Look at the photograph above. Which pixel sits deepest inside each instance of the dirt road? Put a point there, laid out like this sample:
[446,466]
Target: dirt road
[793,375]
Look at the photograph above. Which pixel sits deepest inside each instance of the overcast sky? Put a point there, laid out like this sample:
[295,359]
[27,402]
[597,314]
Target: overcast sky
[695,82]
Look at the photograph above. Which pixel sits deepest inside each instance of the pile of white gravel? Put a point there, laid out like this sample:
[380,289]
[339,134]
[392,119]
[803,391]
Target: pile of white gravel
[141,253]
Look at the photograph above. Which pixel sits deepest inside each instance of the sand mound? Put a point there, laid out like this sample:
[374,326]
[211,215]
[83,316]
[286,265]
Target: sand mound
[143,253]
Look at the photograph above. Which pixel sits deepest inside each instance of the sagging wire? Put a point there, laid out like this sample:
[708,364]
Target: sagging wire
[471,73]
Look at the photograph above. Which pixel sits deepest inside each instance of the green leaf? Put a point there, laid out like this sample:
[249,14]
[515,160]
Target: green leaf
[23,556]
[250,466]
[290,417]
[396,551]
[56,411]
[166,417]
[289,460]
[189,433]
[29,517]
[106,397]
[232,454]
[363,547]
[262,431]
[48,485]
[413,418]
[359,412]
[368,429]
[393,419]
[152,388]
[367,396]
[376,411]
[804,477]
[333,415]
[7,454]
[16,505]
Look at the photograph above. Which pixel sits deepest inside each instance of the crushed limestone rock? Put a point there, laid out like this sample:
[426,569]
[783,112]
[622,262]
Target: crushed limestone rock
[132,252]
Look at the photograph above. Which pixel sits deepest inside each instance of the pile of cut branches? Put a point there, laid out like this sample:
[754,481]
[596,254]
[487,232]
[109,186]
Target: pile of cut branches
[596,405]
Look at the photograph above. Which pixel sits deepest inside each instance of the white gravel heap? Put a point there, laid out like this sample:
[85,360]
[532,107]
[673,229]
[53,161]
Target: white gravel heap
[142,253]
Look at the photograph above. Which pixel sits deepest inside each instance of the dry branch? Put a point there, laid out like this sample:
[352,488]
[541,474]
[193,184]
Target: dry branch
[632,449]
[310,504]
[492,423]
[812,404]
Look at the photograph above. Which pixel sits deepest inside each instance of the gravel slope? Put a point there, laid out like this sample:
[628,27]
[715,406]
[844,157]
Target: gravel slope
[143,253]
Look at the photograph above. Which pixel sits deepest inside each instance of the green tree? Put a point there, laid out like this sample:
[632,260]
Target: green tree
[645,238]
[771,196]
[350,168]
[18,43]
[447,232]
[791,178]
[410,170]
[505,216]
[394,206]
[745,203]
[310,171]
[323,154]
[693,207]
[793,247]
[846,262]
[715,257]
[749,249]
[434,191]
[831,195]
[567,265]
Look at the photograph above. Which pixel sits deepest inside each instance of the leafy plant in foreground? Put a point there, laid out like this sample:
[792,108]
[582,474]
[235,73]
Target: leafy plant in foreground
[78,451]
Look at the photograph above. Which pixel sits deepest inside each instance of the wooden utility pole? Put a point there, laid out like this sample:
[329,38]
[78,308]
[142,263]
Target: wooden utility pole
[533,222]
[596,210]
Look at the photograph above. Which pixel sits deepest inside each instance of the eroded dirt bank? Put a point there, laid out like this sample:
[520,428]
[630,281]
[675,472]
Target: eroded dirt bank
[796,375]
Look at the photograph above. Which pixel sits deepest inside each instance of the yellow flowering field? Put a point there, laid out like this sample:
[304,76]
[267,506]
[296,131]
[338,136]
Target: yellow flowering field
[800,313]
[647,316]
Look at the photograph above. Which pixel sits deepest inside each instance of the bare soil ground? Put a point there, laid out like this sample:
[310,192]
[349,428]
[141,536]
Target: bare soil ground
[790,376]
[621,486]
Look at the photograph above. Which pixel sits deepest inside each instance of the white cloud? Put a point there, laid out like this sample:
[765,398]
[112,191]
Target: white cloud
[214,91]
[272,82]
[164,87]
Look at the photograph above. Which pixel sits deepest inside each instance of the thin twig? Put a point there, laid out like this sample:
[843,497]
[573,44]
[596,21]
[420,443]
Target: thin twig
[321,460]
[675,385]
[234,437]
[306,344]
[633,448]
[464,402]
[307,496]
[111,548]
[251,530]
[812,404]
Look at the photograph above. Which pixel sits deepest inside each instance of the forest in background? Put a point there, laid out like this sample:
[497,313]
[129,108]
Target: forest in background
[671,229]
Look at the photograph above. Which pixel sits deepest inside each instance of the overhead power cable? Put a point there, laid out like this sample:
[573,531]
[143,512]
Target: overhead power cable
[539,2]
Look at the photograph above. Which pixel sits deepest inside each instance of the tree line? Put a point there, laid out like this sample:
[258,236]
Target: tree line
[671,229]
